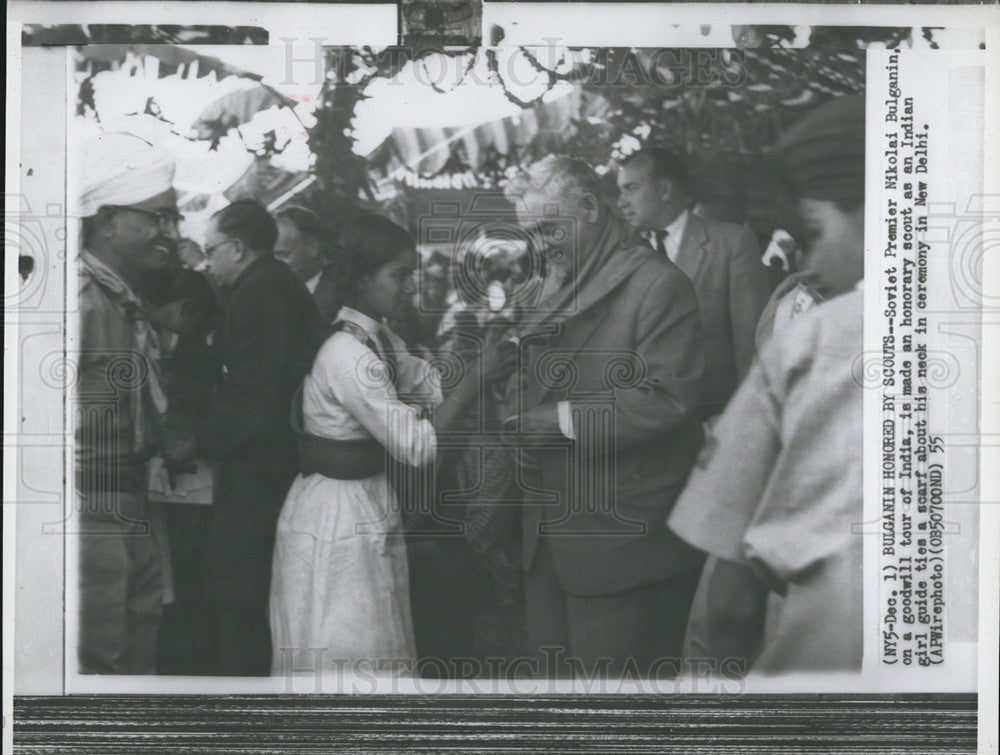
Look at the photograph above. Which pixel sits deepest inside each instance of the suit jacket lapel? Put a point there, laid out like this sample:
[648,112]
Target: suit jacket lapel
[587,317]
[692,252]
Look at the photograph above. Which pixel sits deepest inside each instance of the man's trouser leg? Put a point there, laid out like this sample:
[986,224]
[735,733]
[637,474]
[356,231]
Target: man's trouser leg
[244,636]
[244,520]
[545,614]
[121,594]
[635,633]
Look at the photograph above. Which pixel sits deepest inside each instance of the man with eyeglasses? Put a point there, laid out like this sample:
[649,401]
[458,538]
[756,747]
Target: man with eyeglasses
[130,235]
[270,331]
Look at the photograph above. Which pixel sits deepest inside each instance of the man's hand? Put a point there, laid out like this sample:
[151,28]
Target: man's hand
[499,361]
[179,447]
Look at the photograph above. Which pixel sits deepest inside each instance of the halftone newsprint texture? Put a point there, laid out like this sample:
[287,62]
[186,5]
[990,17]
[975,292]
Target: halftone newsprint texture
[501,376]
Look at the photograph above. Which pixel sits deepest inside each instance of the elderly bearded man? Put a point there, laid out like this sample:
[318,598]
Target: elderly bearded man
[130,218]
[607,429]
[721,259]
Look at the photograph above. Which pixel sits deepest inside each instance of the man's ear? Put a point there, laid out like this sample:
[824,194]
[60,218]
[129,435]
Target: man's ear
[104,225]
[313,247]
[239,250]
[591,208]
[361,286]
[105,229]
[666,189]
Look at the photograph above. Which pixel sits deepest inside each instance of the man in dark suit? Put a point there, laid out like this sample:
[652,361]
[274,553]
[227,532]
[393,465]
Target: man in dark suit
[302,244]
[721,259]
[607,431]
[269,333]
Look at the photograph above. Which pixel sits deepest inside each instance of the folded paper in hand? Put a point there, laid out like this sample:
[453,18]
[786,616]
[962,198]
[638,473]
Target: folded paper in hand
[184,487]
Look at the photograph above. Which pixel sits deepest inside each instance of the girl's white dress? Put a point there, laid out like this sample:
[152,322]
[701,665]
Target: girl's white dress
[340,586]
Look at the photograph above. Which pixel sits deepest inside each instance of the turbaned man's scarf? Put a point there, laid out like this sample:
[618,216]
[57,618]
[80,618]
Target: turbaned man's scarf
[147,342]
[610,255]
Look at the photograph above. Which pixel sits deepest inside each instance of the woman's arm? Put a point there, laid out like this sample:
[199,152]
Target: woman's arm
[495,365]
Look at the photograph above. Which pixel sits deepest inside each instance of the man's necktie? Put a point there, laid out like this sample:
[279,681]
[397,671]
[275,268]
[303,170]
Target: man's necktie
[661,242]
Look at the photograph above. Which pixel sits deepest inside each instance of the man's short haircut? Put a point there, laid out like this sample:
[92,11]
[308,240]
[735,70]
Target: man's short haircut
[305,220]
[250,222]
[557,176]
[662,163]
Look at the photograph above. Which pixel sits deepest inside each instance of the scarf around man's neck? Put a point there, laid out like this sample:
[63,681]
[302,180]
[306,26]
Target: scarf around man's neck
[608,258]
[147,342]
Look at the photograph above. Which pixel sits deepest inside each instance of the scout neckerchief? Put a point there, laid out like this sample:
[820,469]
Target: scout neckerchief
[377,344]
[411,484]
[607,263]
[147,342]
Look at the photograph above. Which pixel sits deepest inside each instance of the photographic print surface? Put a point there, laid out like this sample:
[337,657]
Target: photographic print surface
[500,362]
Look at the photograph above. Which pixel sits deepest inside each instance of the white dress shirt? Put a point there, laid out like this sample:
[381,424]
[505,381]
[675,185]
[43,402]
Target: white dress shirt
[313,282]
[675,232]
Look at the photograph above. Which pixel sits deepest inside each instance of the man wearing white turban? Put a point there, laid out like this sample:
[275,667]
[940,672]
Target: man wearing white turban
[129,212]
